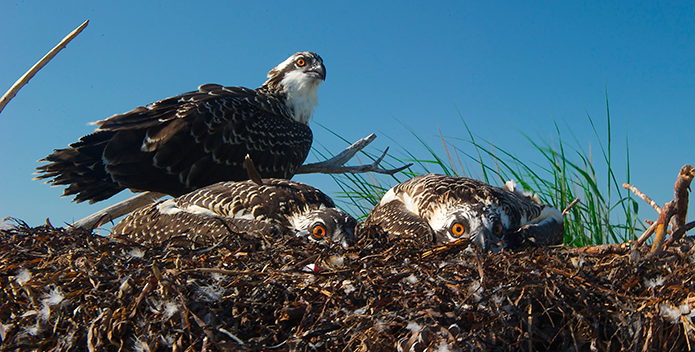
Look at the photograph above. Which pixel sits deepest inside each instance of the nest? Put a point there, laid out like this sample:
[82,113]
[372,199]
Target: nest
[70,289]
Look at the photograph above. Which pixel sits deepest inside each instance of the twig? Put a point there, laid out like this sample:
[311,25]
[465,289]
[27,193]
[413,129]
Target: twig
[574,202]
[603,249]
[646,234]
[660,231]
[335,165]
[39,65]
[117,210]
[678,234]
[646,198]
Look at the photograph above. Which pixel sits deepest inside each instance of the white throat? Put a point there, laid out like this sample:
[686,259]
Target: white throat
[302,94]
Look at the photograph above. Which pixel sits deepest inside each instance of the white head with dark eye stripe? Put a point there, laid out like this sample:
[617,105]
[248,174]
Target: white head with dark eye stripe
[298,78]
[327,225]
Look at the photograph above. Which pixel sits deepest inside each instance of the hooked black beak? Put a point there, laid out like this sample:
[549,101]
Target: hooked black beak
[319,70]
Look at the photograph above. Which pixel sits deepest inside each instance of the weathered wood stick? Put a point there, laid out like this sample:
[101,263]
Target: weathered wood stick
[117,210]
[22,81]
[646,198]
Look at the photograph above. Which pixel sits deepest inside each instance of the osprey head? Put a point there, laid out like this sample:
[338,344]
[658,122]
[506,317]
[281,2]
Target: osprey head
[474,221]
[326,225]
[298,79]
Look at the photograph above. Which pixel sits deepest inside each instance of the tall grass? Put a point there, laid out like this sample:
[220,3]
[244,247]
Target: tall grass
[605,213]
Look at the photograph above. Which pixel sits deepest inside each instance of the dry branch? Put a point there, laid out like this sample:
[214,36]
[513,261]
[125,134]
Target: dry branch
[646,198]
[335,164]
[39,65]
[117,210]
[675,211]
[570,206]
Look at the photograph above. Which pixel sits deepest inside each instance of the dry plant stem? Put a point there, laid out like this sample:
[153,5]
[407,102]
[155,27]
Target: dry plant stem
[331,166]
[39,65]
[117,210]
[646,198]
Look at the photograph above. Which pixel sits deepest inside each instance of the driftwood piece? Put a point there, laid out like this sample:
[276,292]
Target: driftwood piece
[22,81]
[644,197]
[330,166]
[117,210]
[335,164]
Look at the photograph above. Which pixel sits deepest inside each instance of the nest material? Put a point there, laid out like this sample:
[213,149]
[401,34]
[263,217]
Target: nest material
[67,289]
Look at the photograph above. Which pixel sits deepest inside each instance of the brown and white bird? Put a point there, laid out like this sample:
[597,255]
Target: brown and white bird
[210,213]
[192,140]
[444,209]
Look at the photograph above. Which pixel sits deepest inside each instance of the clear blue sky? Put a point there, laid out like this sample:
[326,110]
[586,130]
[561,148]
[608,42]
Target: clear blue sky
[502,66]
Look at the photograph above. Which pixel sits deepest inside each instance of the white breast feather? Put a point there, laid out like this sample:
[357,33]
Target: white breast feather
[302,94]
[168,207]
[403,197]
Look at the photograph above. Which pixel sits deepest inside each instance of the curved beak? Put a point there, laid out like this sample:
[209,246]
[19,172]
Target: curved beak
[485,240]
[318,70]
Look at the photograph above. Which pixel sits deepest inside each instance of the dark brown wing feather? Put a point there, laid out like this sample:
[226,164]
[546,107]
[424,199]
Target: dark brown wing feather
[181,144]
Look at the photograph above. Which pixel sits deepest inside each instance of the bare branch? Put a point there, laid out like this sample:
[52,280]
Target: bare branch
[646,234]
[660,229]
[328,167]
[39,65]
[570,206]
[646,198]
[117,210]
[339,159]
[335,165]
[678,234]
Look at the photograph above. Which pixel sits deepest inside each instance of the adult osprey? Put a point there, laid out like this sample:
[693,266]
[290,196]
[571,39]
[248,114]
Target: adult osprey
[443,209]
[210,213]
[195,139]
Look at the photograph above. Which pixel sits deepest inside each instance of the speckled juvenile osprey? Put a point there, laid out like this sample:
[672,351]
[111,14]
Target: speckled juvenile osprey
[445,208]
[195,139]
[213,211]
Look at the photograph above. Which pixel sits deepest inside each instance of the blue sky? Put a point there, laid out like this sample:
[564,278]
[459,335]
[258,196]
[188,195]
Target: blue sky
[504,67]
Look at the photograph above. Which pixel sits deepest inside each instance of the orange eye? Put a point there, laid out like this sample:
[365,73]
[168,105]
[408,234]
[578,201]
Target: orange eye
[301,62]
[497,228]
[457,229]
[319,231]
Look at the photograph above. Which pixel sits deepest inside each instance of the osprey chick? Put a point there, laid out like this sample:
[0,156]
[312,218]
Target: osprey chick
[443,209]
[192,140]
[211,212]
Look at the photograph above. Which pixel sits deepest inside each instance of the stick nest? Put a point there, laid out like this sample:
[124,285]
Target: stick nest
[69,290]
